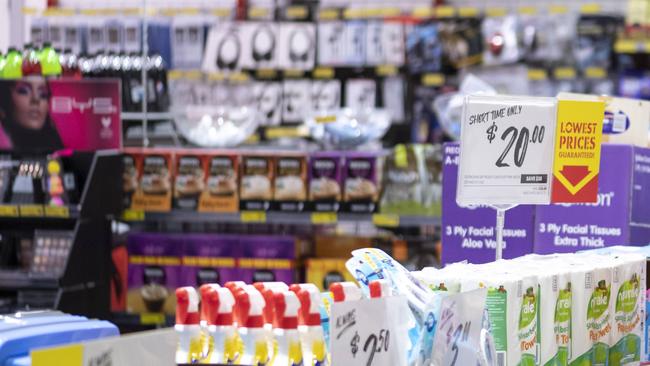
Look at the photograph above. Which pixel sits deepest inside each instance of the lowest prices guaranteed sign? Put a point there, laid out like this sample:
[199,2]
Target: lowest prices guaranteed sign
[528,150]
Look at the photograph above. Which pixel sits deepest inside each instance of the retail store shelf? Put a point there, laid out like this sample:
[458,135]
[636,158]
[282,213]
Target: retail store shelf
[144,320]
[287,218]
[153,116]
[23,280]
[9,212]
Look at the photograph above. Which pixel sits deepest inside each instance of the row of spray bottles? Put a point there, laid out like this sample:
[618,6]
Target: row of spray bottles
[265,324]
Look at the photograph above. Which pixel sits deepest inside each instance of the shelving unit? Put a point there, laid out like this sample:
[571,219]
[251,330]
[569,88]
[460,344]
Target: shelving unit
[299,218]
[83,286]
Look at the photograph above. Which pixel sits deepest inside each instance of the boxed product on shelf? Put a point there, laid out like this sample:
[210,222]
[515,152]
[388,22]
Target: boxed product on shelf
[267,259]
[325,181]
[209,258]
[618,217]
[626,120]
[220,191]
[468,232]
[257,181]
[151,172]
[290,191]
[360,182]
[154,272]
[324,271]
[412,182]
[189,180]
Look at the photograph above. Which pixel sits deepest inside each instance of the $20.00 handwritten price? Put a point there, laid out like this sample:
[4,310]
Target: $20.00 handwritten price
[374,343]
[517,137]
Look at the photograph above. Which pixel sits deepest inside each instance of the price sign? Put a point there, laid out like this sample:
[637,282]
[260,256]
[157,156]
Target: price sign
[459,330]
[370,332]
[506,150]
[528,150]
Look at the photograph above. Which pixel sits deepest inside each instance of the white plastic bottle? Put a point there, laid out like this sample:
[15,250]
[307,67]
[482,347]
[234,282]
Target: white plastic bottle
[187,326]
[249,306]
[310,328]
[285,329]
[223,342]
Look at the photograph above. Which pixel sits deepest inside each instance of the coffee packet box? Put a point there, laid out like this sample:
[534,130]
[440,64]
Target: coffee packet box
[360,182]
[257,181]
[189,180]
[290,192]
[154,272]
[220,191]
[325,181]
[267,259]
[324,271]
[154,192]
[209,258]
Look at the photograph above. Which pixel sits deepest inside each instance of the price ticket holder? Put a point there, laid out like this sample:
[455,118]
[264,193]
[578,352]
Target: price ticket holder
[528,150]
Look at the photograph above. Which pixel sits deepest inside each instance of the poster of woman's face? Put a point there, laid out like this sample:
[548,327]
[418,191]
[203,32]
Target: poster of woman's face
[39,115]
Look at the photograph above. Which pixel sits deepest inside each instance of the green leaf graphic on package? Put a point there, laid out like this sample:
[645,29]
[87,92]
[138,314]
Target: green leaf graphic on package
[626,321]
[562,325]
[528,328]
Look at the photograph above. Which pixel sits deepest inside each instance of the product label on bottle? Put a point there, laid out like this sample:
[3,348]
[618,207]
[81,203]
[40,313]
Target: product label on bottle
[562,325]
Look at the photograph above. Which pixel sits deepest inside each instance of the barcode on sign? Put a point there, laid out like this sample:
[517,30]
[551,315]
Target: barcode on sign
[520,286]
[554,283]
[501,358]
[588,280]
[615,275]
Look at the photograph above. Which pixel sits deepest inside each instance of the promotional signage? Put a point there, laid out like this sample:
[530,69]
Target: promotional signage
[576,159]
[517,150]
[39,115]
[370,332]
[618,217]
[468,231]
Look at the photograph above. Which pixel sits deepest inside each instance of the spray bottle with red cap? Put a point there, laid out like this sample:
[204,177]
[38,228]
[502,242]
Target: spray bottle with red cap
[311,332]
[249,307]
[285,329]
[223,344]
[187,326]
[345,291]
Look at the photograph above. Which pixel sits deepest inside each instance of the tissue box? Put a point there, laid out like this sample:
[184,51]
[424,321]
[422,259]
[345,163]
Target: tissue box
[468,232]
[620,216]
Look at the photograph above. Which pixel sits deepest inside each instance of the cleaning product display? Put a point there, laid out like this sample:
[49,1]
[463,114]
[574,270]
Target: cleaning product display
[325,182]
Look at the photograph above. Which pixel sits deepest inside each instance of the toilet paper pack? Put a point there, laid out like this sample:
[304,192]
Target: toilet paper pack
[627,309]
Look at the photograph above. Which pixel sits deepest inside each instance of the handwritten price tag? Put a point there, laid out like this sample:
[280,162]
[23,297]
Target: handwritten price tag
[458,337]
[370,332]
[507,145]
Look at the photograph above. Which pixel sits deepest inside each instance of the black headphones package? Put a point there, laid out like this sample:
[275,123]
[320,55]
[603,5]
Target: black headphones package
[332,43]
[225,48]
[297,47]
[262,38]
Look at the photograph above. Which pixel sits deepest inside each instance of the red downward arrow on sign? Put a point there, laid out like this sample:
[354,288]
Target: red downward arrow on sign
[575,173]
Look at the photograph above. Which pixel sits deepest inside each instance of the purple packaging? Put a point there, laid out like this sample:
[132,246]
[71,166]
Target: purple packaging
[267,259]
[360,183]
[154,272]
[325,181]
[621,216]
[210,259]
[468,232]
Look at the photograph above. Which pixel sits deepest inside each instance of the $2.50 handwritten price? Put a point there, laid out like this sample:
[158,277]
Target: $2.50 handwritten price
[517,137]
[374,343]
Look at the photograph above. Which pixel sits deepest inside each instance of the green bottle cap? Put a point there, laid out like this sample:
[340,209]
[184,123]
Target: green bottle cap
[50,64]
[13,68]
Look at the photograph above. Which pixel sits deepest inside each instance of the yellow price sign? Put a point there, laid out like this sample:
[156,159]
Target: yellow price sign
[328,14]
[253,216]
[280,132]
[71,355]
[385,220]
[433,79]
[467,12]
[537,74]
[323,73]
[30,210]
[152,318]
[593,8]
[8,210]
[297,12]
[266,73]
[133,215]
[595,73]
[325,119]
[558,9]
[564,73]
[294,73]
[222,12]
[445,11]
[323,218]
[258,12]
[496,12]
[57,211]
[386,70]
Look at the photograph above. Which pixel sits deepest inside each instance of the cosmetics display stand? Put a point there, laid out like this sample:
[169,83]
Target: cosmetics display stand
[82,284]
